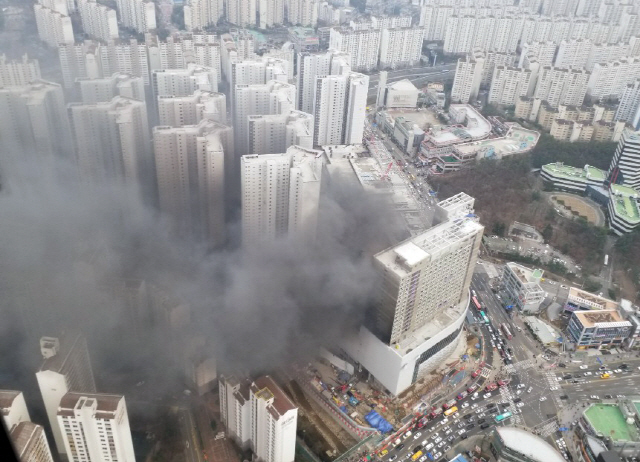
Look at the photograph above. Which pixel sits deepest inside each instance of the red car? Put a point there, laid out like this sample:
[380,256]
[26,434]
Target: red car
[502,383]
[472,388]
[476,373]
[492,386]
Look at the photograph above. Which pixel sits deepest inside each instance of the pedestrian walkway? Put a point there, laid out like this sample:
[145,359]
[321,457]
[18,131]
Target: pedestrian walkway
[507,396]
[525,364]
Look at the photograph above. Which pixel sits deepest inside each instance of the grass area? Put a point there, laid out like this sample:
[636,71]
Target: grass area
[609,420]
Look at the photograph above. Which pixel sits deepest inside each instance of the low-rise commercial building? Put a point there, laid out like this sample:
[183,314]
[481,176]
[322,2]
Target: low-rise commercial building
[614,427]
[572,179]
[603,329]
[623,208]
[581,300]
[522,286]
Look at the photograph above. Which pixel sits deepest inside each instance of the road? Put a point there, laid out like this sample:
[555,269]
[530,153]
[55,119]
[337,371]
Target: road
[189,432]
[419,76]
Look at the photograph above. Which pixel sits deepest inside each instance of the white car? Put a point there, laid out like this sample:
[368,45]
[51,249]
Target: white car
[437,456]
[584,366]
[543,398]
[559,379]
[520,404]
[618,371]
[428,446]
[437,440]
[529,389]
[554,388]
[518,392]
[487,395]
[588,373]
[465,405]
[417,435]
[594,397]
[462,432]
[620,396]
[441,443]
[475,405]
[521,385]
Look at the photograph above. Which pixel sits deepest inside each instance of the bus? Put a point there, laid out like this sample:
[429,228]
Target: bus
[506,331]
[484,317]
[450,411]
[606,260]
[476,303]
[503,417]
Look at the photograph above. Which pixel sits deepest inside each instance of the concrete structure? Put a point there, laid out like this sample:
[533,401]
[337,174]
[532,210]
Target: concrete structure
[509,84]
[310,66]
[184,82]
[581,300]
[260,416]
[98,21]
[177,111]
[13,408]
[95,426]
[272,134]
[112,141]
[511,444]
[30,443]
[616,427]
[139,15]
[18,72]
[572,179]
[401,47]
[199,14]
[629,108]
[600,329]
[623,209]
[34,123]
[101,90]
[66,367]
[467,79]
[402,93]
[522,286]
[242,13]
[190,169]
[280,195]
[362,45]
[625,164]
[419,311]
[53,28]
[303,13]
[561,86]
[271,13]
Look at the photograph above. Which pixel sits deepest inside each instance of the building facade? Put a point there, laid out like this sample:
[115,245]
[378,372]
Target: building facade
[600,329]
[522,286]
[30,443]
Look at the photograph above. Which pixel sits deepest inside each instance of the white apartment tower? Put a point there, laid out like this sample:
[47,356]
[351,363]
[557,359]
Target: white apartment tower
[13,408]
[271,134]
[66,367]
[178,111]
[18,72]
[190,169]
[626,160]
[242,13]
[112,141]
[509,84]
[95,427]
[362,45]
[467,79]
[339,108]
[400,47]
[33,121]
[272,97]
[30,443]
[561,86]
[259,415]
[271,13]
[199,14]
[184,82]
[280,195]
[53,28]
[139,15]
[303,12]
[629,108]
[98,21]
[312,65]
[105,89]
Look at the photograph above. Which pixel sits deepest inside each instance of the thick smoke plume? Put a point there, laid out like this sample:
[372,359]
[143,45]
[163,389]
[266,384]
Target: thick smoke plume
[63,244]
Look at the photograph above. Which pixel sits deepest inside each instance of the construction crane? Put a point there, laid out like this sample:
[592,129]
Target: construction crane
[388,170]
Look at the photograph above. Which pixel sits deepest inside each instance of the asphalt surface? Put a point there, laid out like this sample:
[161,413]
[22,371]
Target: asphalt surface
[419,76]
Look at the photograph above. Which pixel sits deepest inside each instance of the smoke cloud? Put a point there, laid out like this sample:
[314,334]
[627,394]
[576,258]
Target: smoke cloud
[66,248]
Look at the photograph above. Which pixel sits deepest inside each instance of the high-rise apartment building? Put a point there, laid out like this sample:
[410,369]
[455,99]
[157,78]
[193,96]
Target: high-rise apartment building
[611,79]
[177,111]
[303,12]
[66,367]
[400,47]
[13,408]
[242,13]
[199,14]
[190,169]
[626,160]
[112,141]
[56,5]
[573,54]
[274,133]
[434,20]
[561,86]
[105,89]
[362,45]
[139,15]
[312,65]
[184,82]
[271,13]
[280,195]
[422,298]
[18,72]
[491,61]
[272,97]
[260,416]
[30,443]
[53,28]
[542,52]
[629,108]
[178,51]
[509,84]
[467,79]
[340,105]
[98,21]
[33,121]
[95,427]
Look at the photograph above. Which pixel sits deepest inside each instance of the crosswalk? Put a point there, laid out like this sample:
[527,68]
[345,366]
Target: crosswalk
[486,372]
[507,395]
[525,364]
[548,428]
[553,382]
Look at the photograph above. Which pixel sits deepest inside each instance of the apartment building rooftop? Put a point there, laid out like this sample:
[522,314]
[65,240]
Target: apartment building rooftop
[105,404]
[267,388]
[625,201]
[604,318]
[605,303]
[559,169]
[24,436]
[6,400]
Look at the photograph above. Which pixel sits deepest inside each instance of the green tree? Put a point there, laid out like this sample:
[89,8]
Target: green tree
[547,232]
[499,228]
[592,286]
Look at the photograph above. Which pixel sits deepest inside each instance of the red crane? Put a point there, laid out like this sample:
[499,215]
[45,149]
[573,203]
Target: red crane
[387,172]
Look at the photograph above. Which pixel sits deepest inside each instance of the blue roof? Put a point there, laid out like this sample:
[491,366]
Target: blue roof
[459,458]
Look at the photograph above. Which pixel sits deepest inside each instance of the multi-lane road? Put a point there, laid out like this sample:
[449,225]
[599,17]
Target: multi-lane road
[418,75]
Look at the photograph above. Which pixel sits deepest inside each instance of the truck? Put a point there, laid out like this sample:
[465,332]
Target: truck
[435,412]
[462,395]
[353,401]
[448,404]
[492,386]
[606,260]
